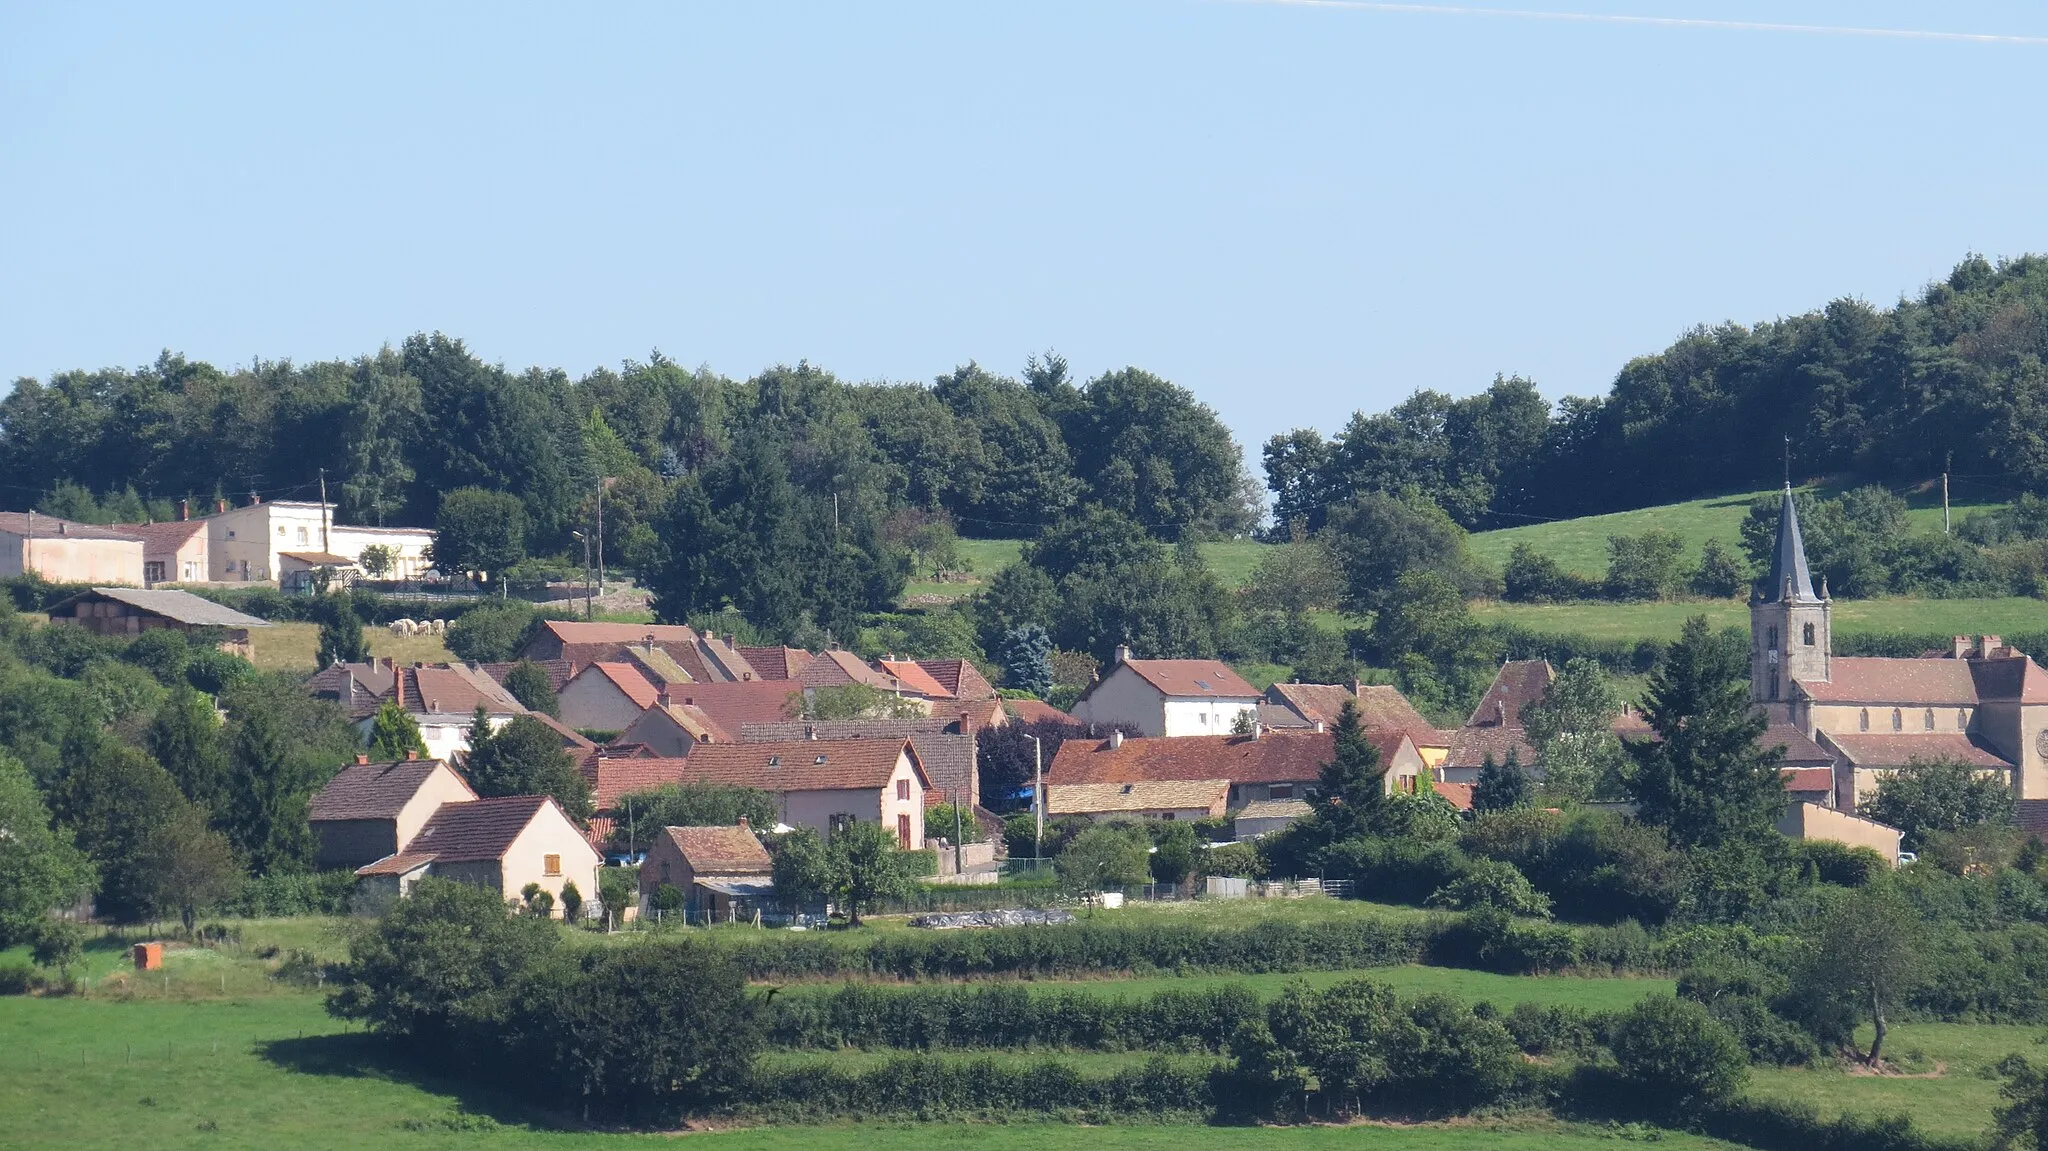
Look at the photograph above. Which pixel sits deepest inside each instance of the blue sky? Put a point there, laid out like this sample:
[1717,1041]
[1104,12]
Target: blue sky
[1294,210]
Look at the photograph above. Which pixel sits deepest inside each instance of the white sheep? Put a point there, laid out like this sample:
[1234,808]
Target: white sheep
[440,627]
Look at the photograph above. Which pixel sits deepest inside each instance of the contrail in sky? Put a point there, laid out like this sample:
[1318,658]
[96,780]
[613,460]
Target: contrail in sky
[1664,21]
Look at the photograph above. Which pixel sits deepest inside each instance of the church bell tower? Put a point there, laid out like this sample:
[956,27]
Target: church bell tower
[1790,627]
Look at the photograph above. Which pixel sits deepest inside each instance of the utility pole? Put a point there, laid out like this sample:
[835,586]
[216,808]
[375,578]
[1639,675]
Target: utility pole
[953,801]
[601,482]
[1037,798]
[28,551]
[1946,464]
[324,546]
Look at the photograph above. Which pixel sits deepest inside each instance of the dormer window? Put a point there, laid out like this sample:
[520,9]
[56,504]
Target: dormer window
[774,761]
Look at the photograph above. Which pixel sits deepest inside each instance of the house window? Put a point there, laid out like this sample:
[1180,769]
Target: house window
[153,572]
[1863,720]
[1898,720]
[231,533]
[1930,719]
[551,865]
[280,529]
[1280,791]
[302,535]
[1166,815]
[1809,635]
[664,871]
[903,789]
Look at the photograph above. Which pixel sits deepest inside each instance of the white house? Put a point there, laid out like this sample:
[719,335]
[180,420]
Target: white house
[248,543]
[1169,697]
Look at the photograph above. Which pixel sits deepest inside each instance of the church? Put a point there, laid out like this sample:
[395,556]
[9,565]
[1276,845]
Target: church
[1979,701]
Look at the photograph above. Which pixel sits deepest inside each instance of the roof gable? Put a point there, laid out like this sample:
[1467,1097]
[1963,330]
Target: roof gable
[914,678]
[482,829]
[627,679]
[804,764]
[363,791]
[1185,679]
[1518,683]
[1275,757]
[720,850]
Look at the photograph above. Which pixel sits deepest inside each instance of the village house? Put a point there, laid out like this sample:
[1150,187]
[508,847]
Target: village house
[947,748]
[63,551]
[606,696]
[247,543]
[1266,816]
[709,712]
[369,811]
[173,552]
[1169,697]
[497,844]
[819,784]
[441,698]
[1381,707]
[722,872]
[123,611]
[1174,799]
[1275,765]
[777,662]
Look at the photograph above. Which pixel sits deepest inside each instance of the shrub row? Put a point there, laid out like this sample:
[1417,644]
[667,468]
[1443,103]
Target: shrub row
[1010,1016]
[301,893]
[925,1087]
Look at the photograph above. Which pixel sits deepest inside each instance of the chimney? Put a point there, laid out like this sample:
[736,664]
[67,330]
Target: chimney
[398,686]
[1319,727]
[744,825]
[411,753]
[434,705]
[1357,688]
[220,506]
[1989,646]
[63,529]
[650,641]
[362,759]
[966,723]
[1500,713]
[1258,729]
[254,499]
[184,510]
[1116,738]
[1959,647]
[1123,654]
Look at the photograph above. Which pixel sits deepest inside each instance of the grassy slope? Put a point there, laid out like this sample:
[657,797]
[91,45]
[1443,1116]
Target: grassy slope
[291,646]
[1952,1092]
[2003,616]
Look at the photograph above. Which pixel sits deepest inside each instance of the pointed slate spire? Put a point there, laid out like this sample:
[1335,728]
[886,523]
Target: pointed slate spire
[1788,558]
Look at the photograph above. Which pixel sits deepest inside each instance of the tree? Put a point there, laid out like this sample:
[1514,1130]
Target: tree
[1720,575]
[1502,786]
[802,868]
[1866,955]
[1678,1056]
[1173,850]
[1105,856]
[341,632]
[113,798]
[866,868]
[377,560]
[1928,796]
[393,734]
[1008,757]
[642,814]
[190,865]
[572,901]
[478,531]
[1148,450]
[1705,780]
[529,684]
[1026,656]
[853,701]
[39,869]
[1377,539]
[57,943]
[1571,730]
[269,787]
[492,633]
[184,739]
[525,757]
[1645,566]
[1351,790]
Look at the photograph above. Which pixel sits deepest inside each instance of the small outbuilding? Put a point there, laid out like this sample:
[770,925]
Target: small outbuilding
[127,611]
[722,872]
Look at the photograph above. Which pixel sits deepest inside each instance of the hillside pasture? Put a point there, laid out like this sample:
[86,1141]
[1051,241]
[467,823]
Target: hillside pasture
[293,646]
[2004,615]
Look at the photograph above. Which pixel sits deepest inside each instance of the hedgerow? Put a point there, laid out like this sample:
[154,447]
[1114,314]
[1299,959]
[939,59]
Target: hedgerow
[1010,1016]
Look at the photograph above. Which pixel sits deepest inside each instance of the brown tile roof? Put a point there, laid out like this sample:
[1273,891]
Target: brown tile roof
[959,677]
[849,764]
[1515,686]
[1470,746]
[949,757]
[1460,794]
[1380,707]
[837,668]
[1276,757]
[613,777]
[478,830]
[720,850]
[914,678]
[598,832]
[50,527]
[628,680]
[1273,809]
[1799,750]
[359,687]
[658,665]
[559,671]
[404,863]
[156,538]
[1205,678]
[776,662]
[1036,711]
[582,631]
[1885,749]
[2014,678]
[733,705]
[1904,682]
[371,790]
[1140,795]
[454,689]
[694,721]
[1809,780]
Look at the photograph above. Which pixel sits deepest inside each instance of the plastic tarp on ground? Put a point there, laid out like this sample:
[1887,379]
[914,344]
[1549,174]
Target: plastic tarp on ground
[1003,917]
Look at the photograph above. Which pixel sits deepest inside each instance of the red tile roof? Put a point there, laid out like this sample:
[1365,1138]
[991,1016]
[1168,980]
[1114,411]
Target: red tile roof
[454,689]
[837,668]
[1460,794]
[156,538]
[1204,678]
[1895,682]
[959,677]
[914,678]
[580,631]
[1883,749]
[613,777]
[1515,686]
[733,705]
[847,764]
[559,671]
[1379,707]
[1809,780]
[720,850]
[1036,711]
[372,790]
[1799,750]
[777,662]
[1276,757]
[628,679]
[1472,746]
[478,830]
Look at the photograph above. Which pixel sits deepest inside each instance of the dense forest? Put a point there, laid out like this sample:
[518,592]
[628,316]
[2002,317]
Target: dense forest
[1953,379]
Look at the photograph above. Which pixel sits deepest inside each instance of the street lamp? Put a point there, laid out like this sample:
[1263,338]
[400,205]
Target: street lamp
[1037,800]
[585,541]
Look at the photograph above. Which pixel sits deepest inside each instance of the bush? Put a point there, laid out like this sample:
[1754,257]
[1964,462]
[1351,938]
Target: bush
[1363,1045]
[1540,1029]
[1009,1015]
[1493,885]
[1237,859]
[1676,1055]
[925,1088]
[492,633]
[293,893]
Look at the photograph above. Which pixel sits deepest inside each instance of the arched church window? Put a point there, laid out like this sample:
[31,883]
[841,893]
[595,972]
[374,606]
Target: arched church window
[1809,635]
[1774,683]
[1930,719]
[1863,720]
[1962,718]
[1772,642]
[1898,720]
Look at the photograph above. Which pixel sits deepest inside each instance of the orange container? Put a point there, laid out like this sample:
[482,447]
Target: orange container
[149,956]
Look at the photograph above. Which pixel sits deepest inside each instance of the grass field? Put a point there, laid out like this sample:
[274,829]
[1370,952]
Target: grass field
[1580,545]
[278,1072]
[292,646]
[1231,560]
[1949,1089]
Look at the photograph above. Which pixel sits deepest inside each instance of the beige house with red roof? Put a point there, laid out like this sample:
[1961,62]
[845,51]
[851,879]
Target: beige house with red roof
[499,844]
[820,783]
[1268,765]
[1169,698]
[65,551]
[173,552]
[606,696]
[694,713]
[1381,707]
[372,810]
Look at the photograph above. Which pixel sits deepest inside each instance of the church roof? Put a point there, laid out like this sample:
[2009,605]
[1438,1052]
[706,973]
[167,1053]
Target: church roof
[1895,682]
[1788,558]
